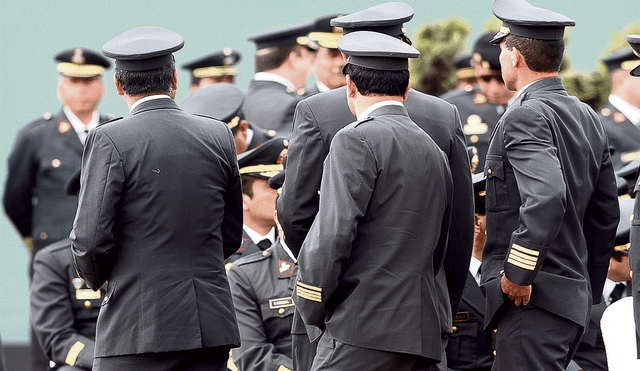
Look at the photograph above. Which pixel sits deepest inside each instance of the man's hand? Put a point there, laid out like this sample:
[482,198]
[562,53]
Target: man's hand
[519,294]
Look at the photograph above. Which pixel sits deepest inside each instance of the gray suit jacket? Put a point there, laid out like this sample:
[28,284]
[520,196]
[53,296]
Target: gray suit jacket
[367,267]
[270,105]
[159,210]
[552,207]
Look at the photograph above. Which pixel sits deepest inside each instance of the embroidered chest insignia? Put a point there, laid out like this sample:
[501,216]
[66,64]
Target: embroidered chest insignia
[285,268]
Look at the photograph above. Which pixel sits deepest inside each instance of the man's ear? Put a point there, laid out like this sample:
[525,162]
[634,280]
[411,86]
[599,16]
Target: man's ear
[406,92]
[174,84]
[351,87]
[118,87]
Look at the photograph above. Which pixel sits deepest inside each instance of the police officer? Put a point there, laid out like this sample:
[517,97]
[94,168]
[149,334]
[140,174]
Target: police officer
[469,346]
[46,153]
[327,66]
[283,61]
[258,199]
[320,117]
[261,285]
[591,355]
[213,68]
[621,115]
[382,224]
[551,200]
[64,309]
[481,107]
[159,210]
[634,251]
[223,101]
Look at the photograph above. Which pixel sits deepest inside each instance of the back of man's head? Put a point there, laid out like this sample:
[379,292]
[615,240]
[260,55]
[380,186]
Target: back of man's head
[371,82]
[156,81]
[539,55]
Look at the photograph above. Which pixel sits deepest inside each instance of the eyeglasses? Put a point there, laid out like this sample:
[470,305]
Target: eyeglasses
[487,78]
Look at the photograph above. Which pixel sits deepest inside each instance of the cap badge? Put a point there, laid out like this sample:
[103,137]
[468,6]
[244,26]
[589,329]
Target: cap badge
[505,30]
[78,57]
[227,60]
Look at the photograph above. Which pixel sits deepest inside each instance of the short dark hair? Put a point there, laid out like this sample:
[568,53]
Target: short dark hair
[159,80]
[271,58]
[539,55]
[377,82]
[247,184]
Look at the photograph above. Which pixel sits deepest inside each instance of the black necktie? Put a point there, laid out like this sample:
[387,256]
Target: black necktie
[616,294]
[264,244]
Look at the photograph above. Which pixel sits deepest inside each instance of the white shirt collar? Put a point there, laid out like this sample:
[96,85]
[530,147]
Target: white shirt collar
[631,113]
[257,237]
[145,99]
[249,136]
[78,125]
[521,91]
[375,106]
[474,266]
[268,76]
[287,250]
[609,285]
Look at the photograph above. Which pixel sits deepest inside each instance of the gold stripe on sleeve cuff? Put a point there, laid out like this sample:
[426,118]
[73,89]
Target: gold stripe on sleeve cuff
[309,292]
[73,354]
[525,250]
[513,261]
[523,257]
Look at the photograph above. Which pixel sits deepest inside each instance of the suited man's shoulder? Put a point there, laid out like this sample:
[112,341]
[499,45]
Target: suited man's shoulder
[436,108]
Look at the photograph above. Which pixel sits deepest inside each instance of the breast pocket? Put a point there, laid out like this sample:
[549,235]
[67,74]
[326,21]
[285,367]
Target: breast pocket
[497,197]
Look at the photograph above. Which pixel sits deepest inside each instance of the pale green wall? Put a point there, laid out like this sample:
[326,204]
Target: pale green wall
[31,32]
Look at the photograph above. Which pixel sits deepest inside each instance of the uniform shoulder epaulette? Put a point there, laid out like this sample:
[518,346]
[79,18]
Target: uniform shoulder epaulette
[254,257]
[111,120]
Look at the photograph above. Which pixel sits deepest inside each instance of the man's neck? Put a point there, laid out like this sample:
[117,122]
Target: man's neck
[527,77]
[294,76]
[261,228]
[362,102]
[129,100]
[85,117]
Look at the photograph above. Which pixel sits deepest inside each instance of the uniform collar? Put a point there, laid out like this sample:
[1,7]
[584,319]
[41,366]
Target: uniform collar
[268,76]
[630,112]
[78,125]
[375,106]
[257,237]
[146,99]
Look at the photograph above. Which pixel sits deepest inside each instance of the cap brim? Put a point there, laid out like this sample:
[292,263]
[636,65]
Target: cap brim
[635,72]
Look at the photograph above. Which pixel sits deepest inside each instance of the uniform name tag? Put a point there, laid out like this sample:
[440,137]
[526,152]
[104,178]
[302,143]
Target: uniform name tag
[461,317]
[87,294]
[281,303]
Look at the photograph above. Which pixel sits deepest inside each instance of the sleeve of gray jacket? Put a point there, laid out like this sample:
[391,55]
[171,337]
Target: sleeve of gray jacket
[347,184]
[298,203]
[232,220]
[101,185]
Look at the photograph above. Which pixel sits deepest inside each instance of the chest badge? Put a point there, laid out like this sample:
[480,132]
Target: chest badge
[77,283]
[285,268]
[475,126]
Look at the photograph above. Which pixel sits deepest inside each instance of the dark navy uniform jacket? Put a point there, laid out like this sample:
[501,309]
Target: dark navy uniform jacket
[367,267]
[624,136]
[551,201]
[259,135]
[320,117]
[469,347]
[46,153]
[64,310]
[261,285]
[160,208]
[478,118]
[270,105]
